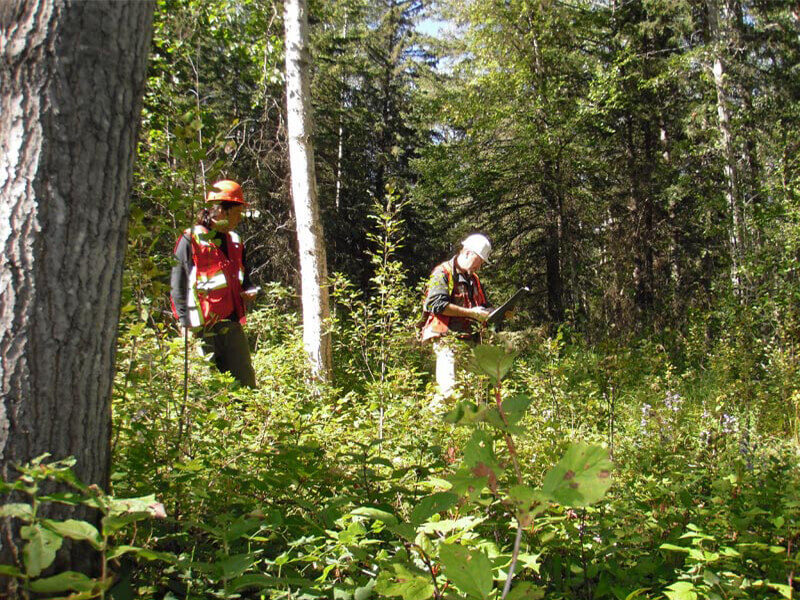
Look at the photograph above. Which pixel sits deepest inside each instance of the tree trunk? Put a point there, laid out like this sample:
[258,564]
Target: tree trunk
[310,237]
[718,18]
[70,98]
[552,244]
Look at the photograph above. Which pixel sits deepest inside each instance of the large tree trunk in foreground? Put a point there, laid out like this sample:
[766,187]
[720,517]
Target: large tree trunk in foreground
[70,97]
[310,237]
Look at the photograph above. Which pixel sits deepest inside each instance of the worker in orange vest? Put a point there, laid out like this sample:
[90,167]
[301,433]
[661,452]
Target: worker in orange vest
[210,284]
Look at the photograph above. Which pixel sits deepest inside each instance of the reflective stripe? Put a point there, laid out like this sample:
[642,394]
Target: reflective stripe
[215,282]
[203,236]
[192,303]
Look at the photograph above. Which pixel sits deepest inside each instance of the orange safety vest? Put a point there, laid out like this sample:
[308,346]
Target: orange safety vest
[437,325]
[215,281]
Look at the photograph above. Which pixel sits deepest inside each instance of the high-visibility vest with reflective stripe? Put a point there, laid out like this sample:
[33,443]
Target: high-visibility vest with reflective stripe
[437,325]
[215,281]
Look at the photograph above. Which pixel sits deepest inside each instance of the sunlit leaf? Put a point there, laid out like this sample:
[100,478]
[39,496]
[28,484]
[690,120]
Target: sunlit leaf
[404,583]
[21,511]
[68,580]
[526,590]
[493,361]
[375,513]
[469,570]
[430,505]
[527,503]
[76,530]
[40,550]
[580,478]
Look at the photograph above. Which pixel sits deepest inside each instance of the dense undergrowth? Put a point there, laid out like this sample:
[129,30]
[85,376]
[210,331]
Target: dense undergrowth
[340,491]
[356,489]
[294,490]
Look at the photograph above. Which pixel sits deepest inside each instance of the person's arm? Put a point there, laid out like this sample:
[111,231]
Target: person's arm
[438,300]
[179,280]
[479,313]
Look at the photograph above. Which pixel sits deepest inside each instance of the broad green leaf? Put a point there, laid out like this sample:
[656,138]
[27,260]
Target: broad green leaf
[469,570]
[430,505]
[580,478]
[493,361]
[136,505]
[404,583]
[423,541]
[76,530]
[455,527]
[783,589]
[40,550]
[261,581]
[144,553]
[479,449]
[465,413]
[405,530]
[375,513]
[365,591]
[241,528]
[236,565]
[527,503]
[681,590]
[113,523]
[479,457]
[17,510]
[465,483]
[674,548]
[513,409]
[68,580]
[710,577]
[525,591]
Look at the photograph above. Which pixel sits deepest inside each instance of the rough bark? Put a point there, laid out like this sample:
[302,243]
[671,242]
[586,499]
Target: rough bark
[70,97]
[310,237]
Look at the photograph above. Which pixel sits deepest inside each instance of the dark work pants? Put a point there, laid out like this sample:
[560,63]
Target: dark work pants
[228,344]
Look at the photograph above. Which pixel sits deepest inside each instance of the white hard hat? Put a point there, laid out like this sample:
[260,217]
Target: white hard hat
[479,244]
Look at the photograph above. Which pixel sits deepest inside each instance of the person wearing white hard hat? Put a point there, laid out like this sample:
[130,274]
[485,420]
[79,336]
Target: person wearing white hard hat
[454,306]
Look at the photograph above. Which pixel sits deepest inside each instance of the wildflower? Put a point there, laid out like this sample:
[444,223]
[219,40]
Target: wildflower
[646,409]
[729,423]
[673,401]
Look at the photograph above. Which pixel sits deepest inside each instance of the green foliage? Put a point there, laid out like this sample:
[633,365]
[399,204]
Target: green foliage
[597,170]
[287,490]
[36,495]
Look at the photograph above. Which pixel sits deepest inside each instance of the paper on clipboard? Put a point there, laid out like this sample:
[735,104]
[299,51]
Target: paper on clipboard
[497,315]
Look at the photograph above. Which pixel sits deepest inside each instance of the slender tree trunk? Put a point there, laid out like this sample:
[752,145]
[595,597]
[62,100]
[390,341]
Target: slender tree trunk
[310,237]
[70,99]
[717,17]
[553,243]
[340,133]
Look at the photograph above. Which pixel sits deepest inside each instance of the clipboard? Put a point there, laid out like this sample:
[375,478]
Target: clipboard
[497,315]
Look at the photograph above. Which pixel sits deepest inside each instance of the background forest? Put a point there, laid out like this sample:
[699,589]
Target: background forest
[634,163]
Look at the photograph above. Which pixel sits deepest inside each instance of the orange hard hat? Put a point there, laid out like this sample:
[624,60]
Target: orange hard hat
[226,191]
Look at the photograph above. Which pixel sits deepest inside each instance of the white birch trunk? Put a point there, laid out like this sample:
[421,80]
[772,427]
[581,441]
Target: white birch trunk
[717,16]
[310,237]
